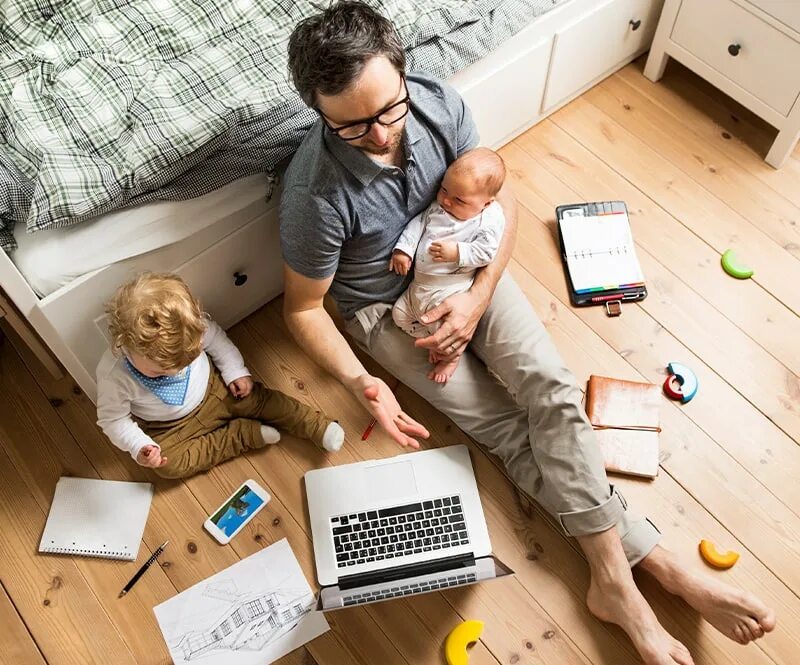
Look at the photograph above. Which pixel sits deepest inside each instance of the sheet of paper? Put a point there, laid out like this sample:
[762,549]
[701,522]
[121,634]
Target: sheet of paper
[600,252]
[252,613]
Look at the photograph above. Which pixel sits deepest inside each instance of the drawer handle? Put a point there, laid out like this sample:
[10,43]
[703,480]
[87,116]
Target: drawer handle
[239,278]
[734,49]
[635,25]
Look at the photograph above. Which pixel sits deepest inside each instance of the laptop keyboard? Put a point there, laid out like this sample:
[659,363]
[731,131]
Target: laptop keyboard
[387,533]
[408,589]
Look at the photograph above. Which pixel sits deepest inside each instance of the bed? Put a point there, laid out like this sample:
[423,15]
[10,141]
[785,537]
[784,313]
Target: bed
[514,61]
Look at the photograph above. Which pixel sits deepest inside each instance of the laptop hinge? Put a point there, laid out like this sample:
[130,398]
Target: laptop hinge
[409,570]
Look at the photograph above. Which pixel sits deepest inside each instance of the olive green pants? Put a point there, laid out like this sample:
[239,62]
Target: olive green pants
[224,426]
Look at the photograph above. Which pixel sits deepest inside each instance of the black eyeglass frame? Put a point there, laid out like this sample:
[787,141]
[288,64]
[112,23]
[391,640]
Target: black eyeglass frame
[369,122]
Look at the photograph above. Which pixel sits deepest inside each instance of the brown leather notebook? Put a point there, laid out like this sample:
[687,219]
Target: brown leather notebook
[624,415]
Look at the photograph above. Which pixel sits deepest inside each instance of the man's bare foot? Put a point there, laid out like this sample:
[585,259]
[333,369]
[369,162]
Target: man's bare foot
[443,370]
[735,613]
[625,606]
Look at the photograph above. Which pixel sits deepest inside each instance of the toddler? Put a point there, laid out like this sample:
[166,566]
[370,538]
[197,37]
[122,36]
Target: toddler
[457,234]
[174,392]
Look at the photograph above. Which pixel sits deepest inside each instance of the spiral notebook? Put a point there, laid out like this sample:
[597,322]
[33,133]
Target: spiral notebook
[99,518]
[599,253]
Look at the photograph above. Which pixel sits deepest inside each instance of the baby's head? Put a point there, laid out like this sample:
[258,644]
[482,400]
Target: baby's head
[157,323]
[471,183]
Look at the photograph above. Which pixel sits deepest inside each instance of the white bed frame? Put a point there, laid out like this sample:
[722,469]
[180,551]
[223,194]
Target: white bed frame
[530,76]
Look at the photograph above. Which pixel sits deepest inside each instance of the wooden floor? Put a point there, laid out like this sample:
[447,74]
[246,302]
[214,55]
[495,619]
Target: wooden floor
[688,163]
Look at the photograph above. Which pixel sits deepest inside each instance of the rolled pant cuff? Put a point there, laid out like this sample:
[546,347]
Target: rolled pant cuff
[596,519]
[640,540]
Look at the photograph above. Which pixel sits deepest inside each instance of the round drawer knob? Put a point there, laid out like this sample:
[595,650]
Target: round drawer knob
[239,278]
[635,24]
[734,49]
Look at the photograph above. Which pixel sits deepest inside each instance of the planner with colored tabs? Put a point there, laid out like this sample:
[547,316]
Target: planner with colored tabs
[598,252]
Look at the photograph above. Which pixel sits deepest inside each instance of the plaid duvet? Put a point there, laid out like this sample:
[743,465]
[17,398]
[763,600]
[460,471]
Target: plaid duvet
[108,103]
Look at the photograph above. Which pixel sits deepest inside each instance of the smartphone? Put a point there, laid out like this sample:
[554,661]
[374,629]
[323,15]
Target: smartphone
[242,506]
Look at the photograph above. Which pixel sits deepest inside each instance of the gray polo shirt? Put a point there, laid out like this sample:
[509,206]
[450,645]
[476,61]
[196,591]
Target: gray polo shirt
[342,212]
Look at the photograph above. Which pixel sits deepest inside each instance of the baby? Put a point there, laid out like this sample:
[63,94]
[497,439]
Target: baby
[174,392]
[457,234]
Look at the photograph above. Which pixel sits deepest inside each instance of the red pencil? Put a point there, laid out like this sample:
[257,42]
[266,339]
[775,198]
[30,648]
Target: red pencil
[368,431]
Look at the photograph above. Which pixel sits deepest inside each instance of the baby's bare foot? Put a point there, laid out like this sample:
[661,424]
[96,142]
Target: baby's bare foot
[443,370]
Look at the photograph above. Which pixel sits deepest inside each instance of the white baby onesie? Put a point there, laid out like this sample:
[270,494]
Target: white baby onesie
[478,240]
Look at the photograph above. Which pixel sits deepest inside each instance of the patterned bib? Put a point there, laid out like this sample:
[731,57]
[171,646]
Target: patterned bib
[169,389]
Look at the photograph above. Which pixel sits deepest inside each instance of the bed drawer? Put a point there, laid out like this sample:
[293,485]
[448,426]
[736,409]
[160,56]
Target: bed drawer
[588,49]
[240,273]
[512,92]
[753,54]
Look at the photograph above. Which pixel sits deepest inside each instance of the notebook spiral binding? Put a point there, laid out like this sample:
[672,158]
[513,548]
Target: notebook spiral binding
[77,551]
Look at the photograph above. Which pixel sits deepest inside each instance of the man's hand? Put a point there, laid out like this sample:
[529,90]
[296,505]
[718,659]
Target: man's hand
[444,251]
[241,387]
[380,401]
[150,456]
[459,316]
[400,262]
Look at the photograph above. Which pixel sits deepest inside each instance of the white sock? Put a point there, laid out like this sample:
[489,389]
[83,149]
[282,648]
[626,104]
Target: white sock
[270,434]
[333,438]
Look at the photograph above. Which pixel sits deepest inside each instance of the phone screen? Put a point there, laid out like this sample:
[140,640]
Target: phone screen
[237,510]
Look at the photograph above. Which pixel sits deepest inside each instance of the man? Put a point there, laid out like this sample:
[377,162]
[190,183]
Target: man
[371,162]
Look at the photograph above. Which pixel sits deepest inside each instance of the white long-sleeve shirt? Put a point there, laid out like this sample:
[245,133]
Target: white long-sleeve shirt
[120,395]
[478,239]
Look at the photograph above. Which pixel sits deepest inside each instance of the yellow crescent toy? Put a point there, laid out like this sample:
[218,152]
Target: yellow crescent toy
[455,646]
[714,558]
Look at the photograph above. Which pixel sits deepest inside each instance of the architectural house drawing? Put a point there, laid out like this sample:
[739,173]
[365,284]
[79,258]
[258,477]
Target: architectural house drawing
[251,623]
[252,613]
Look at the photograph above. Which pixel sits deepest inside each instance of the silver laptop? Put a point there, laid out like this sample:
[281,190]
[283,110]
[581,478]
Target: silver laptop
[397,527]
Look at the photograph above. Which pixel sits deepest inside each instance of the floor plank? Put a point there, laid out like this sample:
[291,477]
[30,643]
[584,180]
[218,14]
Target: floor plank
[721,121]
[16,642]
[708,114]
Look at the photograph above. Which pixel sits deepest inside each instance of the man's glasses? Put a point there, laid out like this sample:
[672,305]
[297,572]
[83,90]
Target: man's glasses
[388,116]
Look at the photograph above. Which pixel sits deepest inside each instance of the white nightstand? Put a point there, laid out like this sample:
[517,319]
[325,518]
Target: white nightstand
[749,49]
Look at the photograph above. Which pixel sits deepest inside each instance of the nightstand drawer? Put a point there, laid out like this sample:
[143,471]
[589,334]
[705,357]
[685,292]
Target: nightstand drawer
[751,53]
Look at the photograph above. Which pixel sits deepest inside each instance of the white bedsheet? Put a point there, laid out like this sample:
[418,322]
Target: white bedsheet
[51,259]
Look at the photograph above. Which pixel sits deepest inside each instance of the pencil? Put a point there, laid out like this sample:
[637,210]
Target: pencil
[143,569]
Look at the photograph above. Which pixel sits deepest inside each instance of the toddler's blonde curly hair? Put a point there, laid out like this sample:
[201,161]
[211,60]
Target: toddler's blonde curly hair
[156,316]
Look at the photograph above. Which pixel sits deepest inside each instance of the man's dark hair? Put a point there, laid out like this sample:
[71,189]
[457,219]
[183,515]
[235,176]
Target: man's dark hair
[328,51]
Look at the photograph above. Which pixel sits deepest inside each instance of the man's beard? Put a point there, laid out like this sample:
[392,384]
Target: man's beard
[385,149]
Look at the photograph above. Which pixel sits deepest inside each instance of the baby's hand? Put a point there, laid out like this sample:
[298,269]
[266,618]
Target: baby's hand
[150,456]
[241,387]
[400,262]
[444,251]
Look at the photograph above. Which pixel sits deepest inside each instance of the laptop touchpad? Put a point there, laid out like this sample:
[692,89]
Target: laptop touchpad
[386,482]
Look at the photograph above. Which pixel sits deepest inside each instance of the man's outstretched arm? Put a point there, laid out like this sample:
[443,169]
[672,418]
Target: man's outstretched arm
[315,332]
